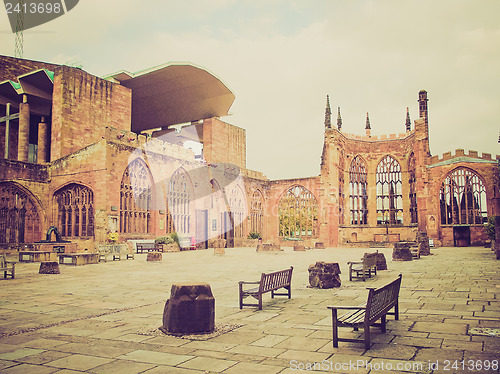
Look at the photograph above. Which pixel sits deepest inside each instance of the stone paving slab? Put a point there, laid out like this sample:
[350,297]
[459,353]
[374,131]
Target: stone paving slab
[100,318]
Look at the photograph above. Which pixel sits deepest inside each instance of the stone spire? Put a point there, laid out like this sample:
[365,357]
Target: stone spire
[408,122]
[368,127]
[328,114]
[339,120]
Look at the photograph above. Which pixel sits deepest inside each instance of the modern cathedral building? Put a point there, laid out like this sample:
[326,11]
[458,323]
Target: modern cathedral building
[147,154]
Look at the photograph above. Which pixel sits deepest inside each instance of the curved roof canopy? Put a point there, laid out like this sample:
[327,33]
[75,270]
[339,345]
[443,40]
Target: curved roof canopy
[173,94]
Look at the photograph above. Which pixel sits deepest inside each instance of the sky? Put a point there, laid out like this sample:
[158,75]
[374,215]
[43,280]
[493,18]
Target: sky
[281,58]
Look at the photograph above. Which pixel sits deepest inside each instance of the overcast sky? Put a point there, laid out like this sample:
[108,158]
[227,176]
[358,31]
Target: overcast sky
[282,57]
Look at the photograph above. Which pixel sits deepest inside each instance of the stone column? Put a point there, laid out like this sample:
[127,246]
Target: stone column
[24,130]
[43,142]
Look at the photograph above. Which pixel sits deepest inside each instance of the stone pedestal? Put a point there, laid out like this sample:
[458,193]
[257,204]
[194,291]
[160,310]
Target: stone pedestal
[423,243]
[49,267]
[299,247]
[319,245]
[324,275]
[190,310]
[381,262]
[269,247]
[154,256]
[402,252]
[219,251]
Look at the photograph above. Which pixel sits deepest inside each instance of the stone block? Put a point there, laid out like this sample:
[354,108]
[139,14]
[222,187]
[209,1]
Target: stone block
[154,256]
[423,243]
[402,252]
[190,310]
[219,251]
[381,261]
[299,247]
[49,267]
[324,275]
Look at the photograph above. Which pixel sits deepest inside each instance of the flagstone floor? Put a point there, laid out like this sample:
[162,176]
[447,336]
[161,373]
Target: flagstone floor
[104,318]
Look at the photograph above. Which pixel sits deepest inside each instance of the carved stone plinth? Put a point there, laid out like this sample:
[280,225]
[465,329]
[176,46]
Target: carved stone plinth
[402,252]
[319,245]
[49,267]
[154,256]
[381,262]
[190,310]
[324,275]
[299,247]
[423,243]
[269,247]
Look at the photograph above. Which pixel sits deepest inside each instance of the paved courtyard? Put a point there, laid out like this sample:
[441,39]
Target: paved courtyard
[104,318]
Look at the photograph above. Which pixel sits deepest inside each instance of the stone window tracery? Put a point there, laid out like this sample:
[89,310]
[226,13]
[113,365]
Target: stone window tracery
[463,199]
[358,195]
[389,192]
[298,213]
[136,199]
[257,213]
[19,218]
[237,203]
[179,201]
[75,212]
[341,188]
[413,189]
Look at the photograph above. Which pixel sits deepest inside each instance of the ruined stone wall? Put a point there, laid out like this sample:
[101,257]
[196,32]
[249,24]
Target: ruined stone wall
[484,167]
[223,142]
[339,151]
[83,105]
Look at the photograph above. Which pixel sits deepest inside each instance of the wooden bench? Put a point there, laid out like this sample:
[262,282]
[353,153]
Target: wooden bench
[364,268]
[380,302]
[8,267]
[148,247]
[268,283]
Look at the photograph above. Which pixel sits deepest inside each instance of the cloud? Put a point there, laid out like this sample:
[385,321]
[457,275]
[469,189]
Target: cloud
[281,58]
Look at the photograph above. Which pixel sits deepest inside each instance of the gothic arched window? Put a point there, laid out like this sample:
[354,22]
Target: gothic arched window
[298,213]
[19,218]
[257,213]
[179,201]
[75,212]
[413,189]
[136,198]
[341,189]
[237,204]
[463,199]
[358,195]
[389,192]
